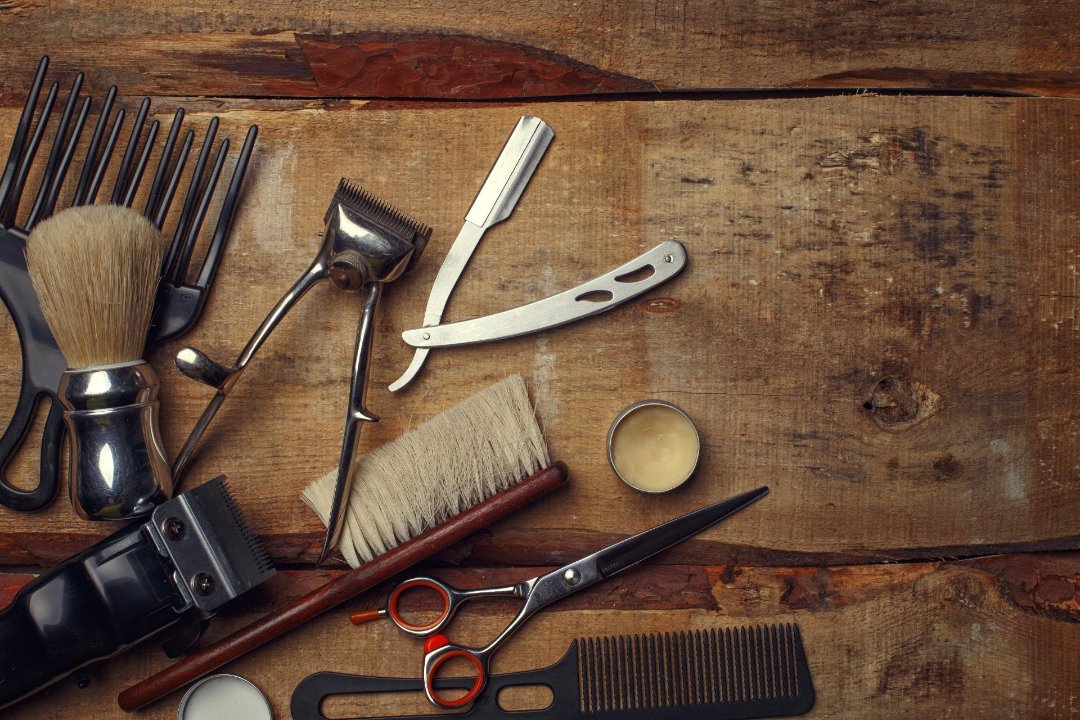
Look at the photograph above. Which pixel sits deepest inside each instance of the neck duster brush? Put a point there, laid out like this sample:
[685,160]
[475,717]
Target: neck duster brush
[95,270]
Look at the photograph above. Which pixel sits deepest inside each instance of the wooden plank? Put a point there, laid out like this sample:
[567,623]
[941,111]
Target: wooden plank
[878,320]
[898,640]
[482,50]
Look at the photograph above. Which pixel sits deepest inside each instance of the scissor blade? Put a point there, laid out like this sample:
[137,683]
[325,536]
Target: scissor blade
[629,552]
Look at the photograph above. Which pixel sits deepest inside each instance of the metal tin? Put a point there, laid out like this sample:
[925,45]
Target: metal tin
[629,410]
[252,710]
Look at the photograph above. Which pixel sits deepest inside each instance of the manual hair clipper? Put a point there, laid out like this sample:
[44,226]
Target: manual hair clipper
[195,554]
[367,243]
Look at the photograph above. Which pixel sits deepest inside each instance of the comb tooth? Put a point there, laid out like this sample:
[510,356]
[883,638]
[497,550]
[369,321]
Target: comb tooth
[774,655]
[669,671]
[598,674]
[583,676]
[791,677]
[793,634]
[124,171]
[714,666]
[594,671]
[154,196]
[760,663]
[691,669]
[610,689]
[671,645]
[15,191]
[743,665]
[638,689]
[620,677]
[768,690]
[679,668]
[699,687]
[92,149]
[601,676]
[18,141]
[731,679]
[751,663]
[103,161]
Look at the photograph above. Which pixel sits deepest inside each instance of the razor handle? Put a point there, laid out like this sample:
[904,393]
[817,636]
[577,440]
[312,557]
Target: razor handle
[107,598]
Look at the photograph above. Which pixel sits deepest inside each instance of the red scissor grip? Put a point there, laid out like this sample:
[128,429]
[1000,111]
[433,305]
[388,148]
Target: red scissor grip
[468,697]
[395,597]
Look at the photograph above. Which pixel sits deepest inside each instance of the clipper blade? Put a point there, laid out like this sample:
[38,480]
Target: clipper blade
[383,215]
[214,550]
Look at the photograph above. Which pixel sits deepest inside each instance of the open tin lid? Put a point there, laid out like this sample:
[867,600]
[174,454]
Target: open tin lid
[224,697]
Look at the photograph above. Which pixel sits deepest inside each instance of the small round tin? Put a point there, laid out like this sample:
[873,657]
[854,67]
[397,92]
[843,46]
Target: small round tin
[224,697]
[653,446]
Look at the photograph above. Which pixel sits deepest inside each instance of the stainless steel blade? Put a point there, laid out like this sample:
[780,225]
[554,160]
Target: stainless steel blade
[591,298]
[629,552]
[493,204]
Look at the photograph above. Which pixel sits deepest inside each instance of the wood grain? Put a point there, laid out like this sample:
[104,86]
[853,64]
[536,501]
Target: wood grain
[484,49]
[879,320]
[896,640]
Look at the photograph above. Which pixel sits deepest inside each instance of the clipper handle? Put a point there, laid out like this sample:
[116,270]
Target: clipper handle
[90,607]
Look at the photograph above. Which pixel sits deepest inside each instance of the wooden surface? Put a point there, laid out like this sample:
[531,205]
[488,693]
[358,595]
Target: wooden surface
[878,319]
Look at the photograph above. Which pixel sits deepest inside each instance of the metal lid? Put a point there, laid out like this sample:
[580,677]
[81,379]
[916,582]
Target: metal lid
[630,410]
[224,697]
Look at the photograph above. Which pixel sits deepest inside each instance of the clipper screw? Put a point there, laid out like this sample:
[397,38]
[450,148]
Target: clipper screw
[174,528]
[203,584]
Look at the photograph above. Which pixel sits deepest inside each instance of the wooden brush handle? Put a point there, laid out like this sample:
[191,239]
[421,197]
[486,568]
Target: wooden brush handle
[342,588]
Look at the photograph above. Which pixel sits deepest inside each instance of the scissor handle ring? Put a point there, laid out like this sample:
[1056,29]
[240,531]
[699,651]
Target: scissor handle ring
[401,622]
[474,691]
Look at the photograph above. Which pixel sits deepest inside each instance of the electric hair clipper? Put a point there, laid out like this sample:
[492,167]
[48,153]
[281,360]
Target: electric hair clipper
[195,554]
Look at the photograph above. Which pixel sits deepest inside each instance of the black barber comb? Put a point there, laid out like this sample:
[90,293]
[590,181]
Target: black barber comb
[731,673]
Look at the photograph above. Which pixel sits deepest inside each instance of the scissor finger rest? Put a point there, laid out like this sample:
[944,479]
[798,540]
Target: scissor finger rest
[421,629]
[438,652]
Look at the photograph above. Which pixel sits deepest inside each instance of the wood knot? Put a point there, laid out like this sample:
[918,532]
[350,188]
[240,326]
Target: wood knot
[947,466]
[896,403]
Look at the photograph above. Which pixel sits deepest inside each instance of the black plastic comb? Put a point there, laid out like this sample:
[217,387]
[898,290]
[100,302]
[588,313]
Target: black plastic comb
[731,673]
[178,303]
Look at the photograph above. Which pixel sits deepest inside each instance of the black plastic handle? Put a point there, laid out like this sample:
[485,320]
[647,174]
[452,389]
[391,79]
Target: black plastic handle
[52,438]
[561,678]
[116,593]
[42,367]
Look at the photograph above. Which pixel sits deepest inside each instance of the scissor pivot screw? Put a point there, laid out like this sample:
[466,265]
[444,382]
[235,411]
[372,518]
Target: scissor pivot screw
[572,577]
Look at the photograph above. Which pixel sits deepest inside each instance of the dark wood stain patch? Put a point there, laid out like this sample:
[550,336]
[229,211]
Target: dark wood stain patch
[430,65]
[1045,583]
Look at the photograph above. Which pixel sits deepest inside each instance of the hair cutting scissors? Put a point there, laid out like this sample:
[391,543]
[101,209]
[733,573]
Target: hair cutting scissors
[537,592]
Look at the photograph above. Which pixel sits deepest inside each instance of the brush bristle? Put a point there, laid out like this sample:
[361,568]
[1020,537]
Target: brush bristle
[452,462]
[379,211]
[95,270]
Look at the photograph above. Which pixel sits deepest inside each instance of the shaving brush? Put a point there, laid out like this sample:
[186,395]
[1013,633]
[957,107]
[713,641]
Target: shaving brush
[95,270]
